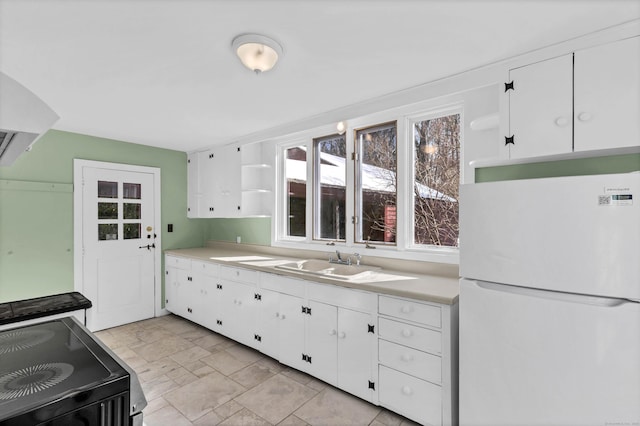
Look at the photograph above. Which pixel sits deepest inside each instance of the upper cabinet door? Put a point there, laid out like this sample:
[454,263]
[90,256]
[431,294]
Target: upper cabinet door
[607,96]
[540,108]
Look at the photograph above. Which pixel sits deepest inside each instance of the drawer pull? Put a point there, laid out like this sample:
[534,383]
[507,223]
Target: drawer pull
[406,390]
[405,309]
[333,333]
[407,333]
[406,357]
[277,314]
[342,335]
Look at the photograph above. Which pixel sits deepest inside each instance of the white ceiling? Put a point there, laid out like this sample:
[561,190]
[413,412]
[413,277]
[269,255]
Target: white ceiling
[162,73]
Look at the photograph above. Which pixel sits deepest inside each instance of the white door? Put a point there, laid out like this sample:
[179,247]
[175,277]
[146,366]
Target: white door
[118,246]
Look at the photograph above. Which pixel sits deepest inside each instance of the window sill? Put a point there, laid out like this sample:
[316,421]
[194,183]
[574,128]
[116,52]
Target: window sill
[444,256]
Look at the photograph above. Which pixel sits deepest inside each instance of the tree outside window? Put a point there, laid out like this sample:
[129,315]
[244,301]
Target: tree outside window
[436,180]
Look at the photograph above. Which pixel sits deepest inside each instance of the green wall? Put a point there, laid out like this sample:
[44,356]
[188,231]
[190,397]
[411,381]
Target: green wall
[254,230]
[36,209]
[576,167]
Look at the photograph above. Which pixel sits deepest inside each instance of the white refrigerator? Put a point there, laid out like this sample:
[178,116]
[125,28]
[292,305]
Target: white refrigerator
[550,301]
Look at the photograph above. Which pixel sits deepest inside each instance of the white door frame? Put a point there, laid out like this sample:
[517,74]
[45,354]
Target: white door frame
[78,165]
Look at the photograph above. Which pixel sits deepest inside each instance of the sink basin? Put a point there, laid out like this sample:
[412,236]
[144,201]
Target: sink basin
[325,269]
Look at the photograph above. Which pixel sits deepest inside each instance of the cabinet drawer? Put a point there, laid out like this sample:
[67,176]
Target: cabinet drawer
[413,311]
[411,361]
[413,336]
[411,397]
[177,262]
[206,268]
[239,274]
[282,284]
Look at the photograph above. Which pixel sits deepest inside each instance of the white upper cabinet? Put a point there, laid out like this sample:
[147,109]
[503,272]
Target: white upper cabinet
[607,96]
[541,108]
[584,101]
[230,181]
[214,183]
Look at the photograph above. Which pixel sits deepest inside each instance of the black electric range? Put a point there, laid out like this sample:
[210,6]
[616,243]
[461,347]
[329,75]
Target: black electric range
[57,373]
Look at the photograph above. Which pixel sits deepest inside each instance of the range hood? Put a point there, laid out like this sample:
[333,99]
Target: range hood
[24,117]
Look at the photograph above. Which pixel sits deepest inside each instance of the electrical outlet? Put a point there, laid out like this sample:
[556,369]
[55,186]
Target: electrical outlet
[238,239]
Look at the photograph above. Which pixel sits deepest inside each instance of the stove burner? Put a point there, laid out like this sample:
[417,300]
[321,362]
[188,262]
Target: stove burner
[30,380]
[12,341]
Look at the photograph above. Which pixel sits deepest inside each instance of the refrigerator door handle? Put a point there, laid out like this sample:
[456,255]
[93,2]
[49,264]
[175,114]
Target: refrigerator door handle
[555,295]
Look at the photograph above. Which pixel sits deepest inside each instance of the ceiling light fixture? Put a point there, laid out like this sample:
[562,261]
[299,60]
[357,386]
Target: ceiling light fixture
[257,52]
[341,127]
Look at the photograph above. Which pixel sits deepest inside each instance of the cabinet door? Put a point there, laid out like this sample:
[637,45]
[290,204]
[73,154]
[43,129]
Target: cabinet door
[268,322]
[356,349]
[291,336]
[240,312]
[322,341]
[170,290]
[183,294]
[208,164]
[540,108]
[194,193]
[205,306]
[607,96]
[226,182]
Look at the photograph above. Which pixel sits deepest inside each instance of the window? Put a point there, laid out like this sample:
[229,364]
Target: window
[296,190]
[436,155]
[376,184]
[329,165]
[390,182]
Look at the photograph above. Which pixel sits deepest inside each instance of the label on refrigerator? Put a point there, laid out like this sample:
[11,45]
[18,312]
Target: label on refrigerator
[617,196]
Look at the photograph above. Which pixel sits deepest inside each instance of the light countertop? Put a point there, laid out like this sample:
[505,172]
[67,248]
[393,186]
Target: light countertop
[430,288]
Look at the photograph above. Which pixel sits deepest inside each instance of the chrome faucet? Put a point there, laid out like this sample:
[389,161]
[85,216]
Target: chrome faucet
[358,257]
[339,259]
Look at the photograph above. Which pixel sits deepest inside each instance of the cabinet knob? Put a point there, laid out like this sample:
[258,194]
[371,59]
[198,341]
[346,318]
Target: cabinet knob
[561,121]
[584,116]
[406,390]
[332,332]
[342,335]
[405,309]
[277,314]
[282,316]
[406,333]
[406,357]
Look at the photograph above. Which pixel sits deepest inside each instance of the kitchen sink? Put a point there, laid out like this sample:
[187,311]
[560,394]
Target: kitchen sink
[328,270]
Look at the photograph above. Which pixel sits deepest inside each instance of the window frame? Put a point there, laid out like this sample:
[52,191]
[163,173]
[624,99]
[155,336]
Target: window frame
[357,185]
[316,185]
[404,248]
[411,120]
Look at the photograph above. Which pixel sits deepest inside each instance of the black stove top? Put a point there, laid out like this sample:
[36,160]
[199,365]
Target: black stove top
[45,366]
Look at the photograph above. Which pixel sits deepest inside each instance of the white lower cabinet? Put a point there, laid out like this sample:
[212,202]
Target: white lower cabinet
[417,355]
[394,352]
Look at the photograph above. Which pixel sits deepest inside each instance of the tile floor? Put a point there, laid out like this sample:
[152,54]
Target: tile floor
[193,376]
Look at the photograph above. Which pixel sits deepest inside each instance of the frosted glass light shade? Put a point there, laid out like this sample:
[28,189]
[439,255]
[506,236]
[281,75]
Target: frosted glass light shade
[257,52]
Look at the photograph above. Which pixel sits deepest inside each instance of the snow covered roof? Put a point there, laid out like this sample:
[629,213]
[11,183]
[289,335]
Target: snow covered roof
[374,178]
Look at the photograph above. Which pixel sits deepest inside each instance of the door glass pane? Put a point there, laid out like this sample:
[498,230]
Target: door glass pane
[376,184]
[330,155]
[131,191]
[107,210]
[107,189]
[131,211]
[107,231]
[296,175]
[131,231]
[437,180]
